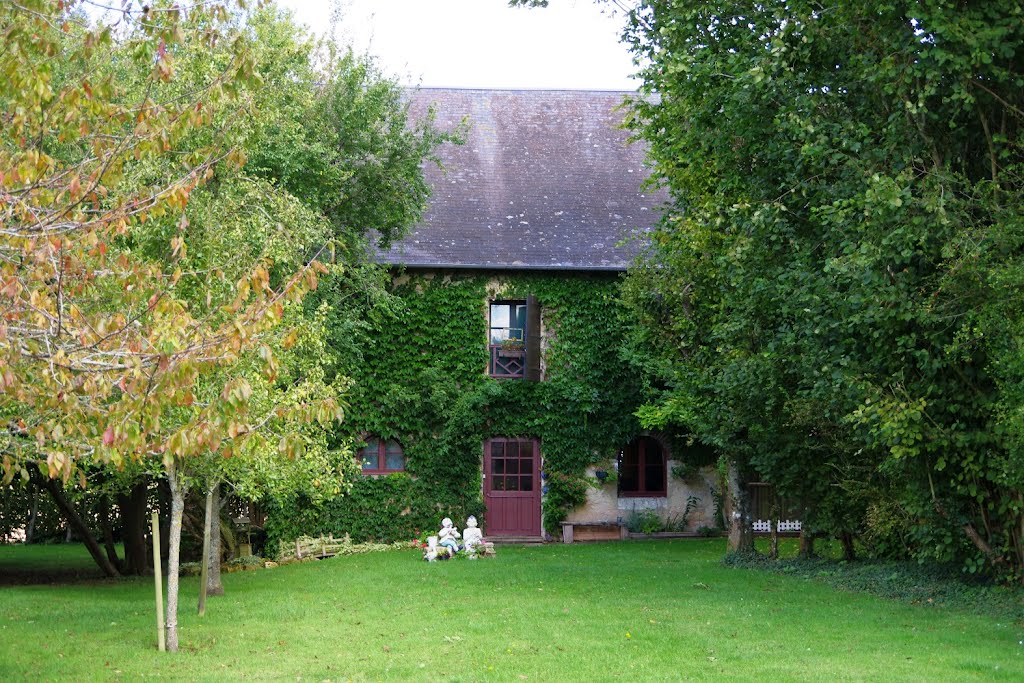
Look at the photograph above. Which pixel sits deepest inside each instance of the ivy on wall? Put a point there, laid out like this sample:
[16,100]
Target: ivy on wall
[419,377]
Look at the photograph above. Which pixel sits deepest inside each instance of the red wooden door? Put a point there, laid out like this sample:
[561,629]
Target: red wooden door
[512,487]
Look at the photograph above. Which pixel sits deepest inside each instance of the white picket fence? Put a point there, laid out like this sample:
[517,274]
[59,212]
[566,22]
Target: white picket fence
[765,526]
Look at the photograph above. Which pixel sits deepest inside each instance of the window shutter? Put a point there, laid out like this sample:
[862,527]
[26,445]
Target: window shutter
[532,373]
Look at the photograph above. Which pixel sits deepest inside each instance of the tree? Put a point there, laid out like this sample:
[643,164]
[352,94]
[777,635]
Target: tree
[179,263]
[101,349]
[333,155]
[832,299]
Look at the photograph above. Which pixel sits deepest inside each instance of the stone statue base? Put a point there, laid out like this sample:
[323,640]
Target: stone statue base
[482,549]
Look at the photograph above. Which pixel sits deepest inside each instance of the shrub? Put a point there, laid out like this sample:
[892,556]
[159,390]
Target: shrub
[644,522]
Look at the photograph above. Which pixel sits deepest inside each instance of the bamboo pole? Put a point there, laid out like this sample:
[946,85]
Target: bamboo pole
[157,578]
[204,572]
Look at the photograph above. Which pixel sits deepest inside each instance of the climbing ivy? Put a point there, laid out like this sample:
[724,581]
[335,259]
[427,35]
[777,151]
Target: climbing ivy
[417,360]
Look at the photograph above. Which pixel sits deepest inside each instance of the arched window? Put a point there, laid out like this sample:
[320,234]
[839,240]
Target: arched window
[642,469]
[381,456]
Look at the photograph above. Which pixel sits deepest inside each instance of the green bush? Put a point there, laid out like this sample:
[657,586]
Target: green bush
[644,522]
[384,509]
[885,534]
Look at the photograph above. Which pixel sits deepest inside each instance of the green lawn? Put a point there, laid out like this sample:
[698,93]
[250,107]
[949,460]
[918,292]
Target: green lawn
[637,611]
[20,564]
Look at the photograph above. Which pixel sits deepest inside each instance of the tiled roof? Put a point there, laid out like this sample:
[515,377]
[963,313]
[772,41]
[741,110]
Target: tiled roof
[546,179]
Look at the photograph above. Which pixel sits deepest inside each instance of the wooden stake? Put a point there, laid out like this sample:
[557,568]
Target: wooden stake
[204,572]
[158,578]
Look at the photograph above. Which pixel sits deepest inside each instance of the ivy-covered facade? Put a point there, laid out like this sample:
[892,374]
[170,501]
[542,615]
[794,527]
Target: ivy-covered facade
[492,381]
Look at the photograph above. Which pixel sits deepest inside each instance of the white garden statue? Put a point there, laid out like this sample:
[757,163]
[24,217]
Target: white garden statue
[448,536]
[472,536]
[431,554]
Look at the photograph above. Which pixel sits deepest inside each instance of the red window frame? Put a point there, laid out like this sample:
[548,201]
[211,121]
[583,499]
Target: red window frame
[638,449]
[381,446]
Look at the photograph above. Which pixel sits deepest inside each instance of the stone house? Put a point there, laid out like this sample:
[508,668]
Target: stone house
[545,199]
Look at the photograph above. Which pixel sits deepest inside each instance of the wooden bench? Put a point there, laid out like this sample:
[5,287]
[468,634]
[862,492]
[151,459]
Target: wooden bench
[592,531]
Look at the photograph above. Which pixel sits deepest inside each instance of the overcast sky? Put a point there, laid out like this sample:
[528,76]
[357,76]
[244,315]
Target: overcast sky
[483,43]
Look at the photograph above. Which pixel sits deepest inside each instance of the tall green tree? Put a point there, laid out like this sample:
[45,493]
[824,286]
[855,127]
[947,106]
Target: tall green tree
[833,298]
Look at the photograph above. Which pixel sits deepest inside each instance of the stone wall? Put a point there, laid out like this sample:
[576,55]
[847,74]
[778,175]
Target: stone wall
[604,505]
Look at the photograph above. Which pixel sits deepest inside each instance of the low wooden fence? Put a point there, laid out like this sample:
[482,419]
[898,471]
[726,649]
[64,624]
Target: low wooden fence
[308,546]
[319,547]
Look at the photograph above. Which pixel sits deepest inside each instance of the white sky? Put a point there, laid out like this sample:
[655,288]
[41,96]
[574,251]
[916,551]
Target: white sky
[483,43]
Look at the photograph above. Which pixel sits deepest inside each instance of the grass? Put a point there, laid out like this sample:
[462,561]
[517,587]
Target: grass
[637,611]
[908,581]
[23,564]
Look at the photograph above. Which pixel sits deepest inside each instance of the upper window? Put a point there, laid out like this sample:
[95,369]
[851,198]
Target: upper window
[381,456]
[642,469]
[507,339]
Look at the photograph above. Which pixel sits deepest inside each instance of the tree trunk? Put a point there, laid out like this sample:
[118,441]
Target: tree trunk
[741,529]
[204,558]
[849,554]
[806,545]
[108,533]
[30,530]
[213,583]
[133,528]
[56,491]
[773,521]
[178,491]
[1018,534]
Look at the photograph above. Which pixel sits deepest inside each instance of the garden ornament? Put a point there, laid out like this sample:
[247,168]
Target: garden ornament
[472,536]
[449,536]
[431,553]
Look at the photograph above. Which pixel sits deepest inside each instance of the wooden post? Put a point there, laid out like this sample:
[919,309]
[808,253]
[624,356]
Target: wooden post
[158,578]
[204,571]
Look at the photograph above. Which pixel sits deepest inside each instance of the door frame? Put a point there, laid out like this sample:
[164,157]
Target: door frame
[536,492]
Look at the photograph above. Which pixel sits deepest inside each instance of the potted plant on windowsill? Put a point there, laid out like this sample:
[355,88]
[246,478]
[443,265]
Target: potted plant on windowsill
[511,348]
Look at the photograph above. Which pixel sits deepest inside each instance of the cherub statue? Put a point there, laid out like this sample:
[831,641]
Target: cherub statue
[431,553]
[472,536]
[448,536]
